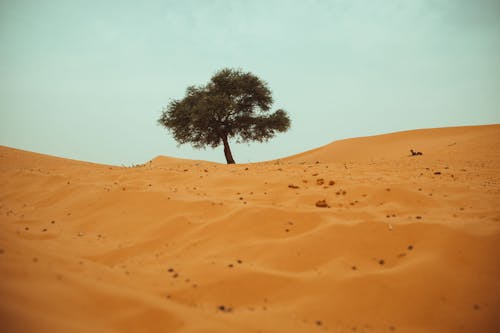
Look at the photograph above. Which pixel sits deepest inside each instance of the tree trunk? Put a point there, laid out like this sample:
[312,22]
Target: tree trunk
[227,151]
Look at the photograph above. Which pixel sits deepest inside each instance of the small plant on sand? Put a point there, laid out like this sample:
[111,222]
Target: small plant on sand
[234,104]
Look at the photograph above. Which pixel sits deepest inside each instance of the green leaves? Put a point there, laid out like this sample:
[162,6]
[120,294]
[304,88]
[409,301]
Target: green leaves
[232,104]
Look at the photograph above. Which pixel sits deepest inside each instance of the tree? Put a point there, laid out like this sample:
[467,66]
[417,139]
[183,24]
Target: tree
[233,104]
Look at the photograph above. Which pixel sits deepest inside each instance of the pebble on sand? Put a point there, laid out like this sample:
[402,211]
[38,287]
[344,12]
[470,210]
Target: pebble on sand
[322,204]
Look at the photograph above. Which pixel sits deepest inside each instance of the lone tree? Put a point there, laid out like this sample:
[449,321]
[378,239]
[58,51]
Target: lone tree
[232,104]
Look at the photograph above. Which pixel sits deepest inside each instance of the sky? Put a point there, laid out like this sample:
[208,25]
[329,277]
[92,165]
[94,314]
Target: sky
[88,79]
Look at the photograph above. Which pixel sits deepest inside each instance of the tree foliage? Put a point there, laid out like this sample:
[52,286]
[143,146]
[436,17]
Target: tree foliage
[233,104]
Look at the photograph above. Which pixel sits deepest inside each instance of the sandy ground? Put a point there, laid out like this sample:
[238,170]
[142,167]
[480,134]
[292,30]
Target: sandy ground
[404,244]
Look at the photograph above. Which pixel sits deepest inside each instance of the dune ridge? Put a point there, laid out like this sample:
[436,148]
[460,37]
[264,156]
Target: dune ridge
[405,244]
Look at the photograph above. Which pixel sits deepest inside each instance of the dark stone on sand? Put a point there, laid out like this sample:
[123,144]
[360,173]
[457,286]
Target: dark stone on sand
[224,308]
[322,204]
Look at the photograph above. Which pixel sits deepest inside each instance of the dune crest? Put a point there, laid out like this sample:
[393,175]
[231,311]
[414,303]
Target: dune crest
[403,243]
[466,142]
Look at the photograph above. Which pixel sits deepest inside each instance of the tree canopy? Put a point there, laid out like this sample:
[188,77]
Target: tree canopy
[233,104]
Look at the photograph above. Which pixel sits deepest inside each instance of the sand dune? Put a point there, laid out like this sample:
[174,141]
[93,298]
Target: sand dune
[406,244]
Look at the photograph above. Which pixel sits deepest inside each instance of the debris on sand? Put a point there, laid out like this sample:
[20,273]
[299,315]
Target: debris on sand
[415,153]
[224,308]
[322,204]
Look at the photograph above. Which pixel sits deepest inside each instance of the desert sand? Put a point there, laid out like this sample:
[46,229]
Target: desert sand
[399,243]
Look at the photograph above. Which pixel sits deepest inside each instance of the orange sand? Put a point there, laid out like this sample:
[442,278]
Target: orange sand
[88,248]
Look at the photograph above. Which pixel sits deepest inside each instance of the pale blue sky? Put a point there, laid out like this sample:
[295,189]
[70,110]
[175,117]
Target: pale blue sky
[87,79]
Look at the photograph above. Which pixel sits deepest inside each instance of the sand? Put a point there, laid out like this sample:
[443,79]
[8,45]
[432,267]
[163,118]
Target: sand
[398,243]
